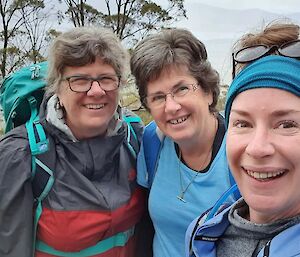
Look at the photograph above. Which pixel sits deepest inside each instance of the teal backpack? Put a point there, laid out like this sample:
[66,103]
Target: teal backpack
[21,95]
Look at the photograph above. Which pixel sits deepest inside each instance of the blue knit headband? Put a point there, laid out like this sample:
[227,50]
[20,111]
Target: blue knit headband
[272,71]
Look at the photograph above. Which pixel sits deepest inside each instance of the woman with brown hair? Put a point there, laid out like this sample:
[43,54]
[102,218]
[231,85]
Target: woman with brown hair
[262,114]
[180,89]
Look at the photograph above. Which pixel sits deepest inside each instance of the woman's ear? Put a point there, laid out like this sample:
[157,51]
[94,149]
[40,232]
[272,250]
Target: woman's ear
[58,104]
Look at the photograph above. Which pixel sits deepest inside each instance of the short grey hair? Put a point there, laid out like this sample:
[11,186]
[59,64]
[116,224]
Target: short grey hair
[81,46]
[169,48]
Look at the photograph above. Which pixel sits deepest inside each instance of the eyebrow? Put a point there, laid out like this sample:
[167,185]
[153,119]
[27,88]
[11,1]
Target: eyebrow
[172,88]
[88,76]
[280,113]
[277,113]
[240,112]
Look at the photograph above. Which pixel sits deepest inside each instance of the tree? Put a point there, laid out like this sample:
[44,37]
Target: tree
[13,14]
[36,31]
[129,19]
[79,12]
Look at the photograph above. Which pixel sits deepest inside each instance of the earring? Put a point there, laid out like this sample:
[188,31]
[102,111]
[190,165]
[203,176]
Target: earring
[60,110]
[57,105]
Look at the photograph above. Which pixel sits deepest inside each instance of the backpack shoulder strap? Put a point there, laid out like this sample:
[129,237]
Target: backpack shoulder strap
[152,143]
[43,160]
[222,201]
[42,180]
[134,130]
[38,141]
[192,231]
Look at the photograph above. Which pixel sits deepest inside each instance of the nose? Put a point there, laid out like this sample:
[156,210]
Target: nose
[171,105]
[260,144]
[96,89]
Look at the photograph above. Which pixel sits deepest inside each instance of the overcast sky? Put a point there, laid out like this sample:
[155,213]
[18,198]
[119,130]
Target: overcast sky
[220,23]
[269,5]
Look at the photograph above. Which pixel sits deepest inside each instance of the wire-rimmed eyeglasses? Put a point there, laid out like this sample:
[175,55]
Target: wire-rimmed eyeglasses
[252,53]
[80,84]
[158,100]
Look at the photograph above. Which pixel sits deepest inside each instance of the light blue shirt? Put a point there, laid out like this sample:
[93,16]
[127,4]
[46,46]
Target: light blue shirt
[171,217]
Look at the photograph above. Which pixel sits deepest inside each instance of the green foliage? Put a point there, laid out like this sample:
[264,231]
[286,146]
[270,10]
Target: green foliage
[150,9]
[35,56]
[79,13]
[221,103]
[21,4]
[25,38]
[145,116]
[11,50]
[51,34]
[130,99]
[15,17]
[129,19]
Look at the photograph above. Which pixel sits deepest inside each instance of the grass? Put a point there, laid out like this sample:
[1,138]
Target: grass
[130,99]
[145,116]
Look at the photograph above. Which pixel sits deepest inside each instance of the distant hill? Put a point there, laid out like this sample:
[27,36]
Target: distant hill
[219,28]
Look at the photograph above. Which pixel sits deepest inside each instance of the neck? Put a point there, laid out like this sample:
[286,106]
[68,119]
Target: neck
[198,155]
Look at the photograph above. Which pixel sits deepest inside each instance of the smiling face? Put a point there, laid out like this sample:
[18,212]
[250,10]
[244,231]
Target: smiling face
[89,113]
[263,145]
[183,120]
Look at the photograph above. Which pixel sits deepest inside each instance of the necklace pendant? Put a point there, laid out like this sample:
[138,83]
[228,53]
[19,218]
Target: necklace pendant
[180,197]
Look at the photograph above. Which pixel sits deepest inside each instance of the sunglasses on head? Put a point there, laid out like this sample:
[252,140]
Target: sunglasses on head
[252,53]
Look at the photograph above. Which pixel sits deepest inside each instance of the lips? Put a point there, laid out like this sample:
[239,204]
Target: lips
[94,106]
[179,120]
[265,175]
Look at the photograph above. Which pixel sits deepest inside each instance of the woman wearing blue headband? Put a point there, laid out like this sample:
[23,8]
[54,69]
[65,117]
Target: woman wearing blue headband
[262,115]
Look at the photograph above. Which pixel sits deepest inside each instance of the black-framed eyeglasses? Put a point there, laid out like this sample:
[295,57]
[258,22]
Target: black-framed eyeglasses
[252,53]
[158,100]
[80,84]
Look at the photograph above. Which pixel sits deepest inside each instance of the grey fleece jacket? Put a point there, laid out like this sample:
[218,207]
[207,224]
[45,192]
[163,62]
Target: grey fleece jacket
[244,238]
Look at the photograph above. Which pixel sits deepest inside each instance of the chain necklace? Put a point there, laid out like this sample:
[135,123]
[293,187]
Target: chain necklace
[182,189]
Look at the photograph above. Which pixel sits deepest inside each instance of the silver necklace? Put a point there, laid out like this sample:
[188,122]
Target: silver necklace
[182,189]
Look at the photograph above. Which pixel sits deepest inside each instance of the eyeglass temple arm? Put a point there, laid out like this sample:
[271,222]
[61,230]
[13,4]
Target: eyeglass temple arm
[233,66]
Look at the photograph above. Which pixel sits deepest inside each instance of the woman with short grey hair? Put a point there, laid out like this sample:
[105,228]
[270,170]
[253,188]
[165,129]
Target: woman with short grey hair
[180,89]
[94,206]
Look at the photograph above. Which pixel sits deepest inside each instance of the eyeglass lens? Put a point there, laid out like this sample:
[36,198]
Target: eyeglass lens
[84,84]
[158,100]
[252,53]
[291,49]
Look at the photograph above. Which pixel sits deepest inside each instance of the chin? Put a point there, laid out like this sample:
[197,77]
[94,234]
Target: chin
[180,136]
[262,204]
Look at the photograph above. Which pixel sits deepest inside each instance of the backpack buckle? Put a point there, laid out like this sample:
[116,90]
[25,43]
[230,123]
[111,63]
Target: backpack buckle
[42,147]
[32,101]
[35,71]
